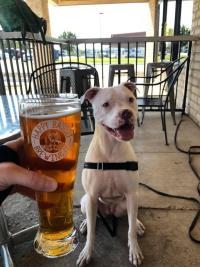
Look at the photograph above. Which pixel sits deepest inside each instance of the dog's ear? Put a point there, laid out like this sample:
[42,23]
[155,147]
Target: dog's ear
[132,87]
[90,94]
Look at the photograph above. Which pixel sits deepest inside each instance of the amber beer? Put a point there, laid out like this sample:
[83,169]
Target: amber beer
[51,131]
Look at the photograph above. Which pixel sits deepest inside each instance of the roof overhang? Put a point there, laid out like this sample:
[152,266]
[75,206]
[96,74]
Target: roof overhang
[94,2]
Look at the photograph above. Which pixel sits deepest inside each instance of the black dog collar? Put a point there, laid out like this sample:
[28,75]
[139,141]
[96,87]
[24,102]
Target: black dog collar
[128,165]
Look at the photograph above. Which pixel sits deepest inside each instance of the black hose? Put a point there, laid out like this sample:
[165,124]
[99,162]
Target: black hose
[190,152]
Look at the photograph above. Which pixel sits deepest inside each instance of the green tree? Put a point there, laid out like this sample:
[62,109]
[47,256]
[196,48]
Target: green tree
[68,36]
[184,30]
[169,31]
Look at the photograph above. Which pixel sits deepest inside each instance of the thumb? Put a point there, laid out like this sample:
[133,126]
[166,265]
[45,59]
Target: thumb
[12,174]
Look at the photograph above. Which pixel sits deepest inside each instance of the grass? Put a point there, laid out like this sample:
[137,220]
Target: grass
[98,60]
[104,60]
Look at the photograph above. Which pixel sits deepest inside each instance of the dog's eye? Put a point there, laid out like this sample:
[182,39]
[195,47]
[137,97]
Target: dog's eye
[131,99]
[105,105]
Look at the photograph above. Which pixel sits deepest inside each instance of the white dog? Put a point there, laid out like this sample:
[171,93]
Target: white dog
[112,188]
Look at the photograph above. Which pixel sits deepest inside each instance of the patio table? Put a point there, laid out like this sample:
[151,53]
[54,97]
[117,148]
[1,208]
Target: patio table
[9,118]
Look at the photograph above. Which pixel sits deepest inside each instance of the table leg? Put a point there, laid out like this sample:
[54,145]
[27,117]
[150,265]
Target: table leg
[5,240]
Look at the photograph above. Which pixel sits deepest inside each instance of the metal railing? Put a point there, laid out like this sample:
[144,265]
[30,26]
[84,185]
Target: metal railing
[138,51]
[19,58]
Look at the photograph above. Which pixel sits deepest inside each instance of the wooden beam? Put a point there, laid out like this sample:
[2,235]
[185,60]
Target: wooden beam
[182,38]
[94,2]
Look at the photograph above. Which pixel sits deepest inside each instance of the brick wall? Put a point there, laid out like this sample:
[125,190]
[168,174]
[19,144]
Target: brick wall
[193,103]
[181,89]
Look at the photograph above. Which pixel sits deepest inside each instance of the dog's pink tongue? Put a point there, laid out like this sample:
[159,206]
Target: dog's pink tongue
[125,134]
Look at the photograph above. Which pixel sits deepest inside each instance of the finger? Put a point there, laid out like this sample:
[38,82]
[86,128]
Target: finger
[11,173]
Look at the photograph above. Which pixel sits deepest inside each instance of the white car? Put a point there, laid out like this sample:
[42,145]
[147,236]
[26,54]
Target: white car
[1,55]
[26,56]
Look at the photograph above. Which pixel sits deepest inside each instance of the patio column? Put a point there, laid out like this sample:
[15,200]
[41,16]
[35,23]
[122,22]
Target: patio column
[152,30]
[41,9]
[154,12]
[153,7]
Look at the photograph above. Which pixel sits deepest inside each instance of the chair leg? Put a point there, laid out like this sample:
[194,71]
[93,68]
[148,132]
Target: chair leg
[93,123]
[173,117]
[165,128]
[143,113]
[172,107]
[5,242]
[162,120]
[6,256]
[138,121]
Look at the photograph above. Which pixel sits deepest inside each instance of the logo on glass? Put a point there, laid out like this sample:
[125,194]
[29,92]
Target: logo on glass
[51,139]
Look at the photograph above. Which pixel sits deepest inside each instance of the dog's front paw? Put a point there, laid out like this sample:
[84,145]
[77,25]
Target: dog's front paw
[135,254]
[84,257]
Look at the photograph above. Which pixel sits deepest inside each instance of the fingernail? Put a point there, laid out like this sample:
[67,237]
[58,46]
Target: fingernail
[51,184]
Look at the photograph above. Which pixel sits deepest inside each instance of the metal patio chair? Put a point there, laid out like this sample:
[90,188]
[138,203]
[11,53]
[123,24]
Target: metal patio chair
[160,91]
[67,77]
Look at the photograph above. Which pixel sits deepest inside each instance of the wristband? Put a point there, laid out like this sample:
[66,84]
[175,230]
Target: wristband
[7,155]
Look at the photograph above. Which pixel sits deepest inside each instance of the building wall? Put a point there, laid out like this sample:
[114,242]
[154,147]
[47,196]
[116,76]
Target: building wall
[93,2]
[193,107]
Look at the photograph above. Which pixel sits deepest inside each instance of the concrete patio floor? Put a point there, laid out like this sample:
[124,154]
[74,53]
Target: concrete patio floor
[166,242]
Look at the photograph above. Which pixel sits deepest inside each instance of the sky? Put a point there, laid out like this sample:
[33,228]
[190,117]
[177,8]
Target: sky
[99,21]
[96,21]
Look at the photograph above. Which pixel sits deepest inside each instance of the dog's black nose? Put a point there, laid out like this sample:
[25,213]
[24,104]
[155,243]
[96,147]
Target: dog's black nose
[126,114]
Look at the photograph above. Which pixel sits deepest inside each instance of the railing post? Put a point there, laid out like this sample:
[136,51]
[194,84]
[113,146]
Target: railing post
[175,45]
[2,86]
[186,77]
[119,61]
[164,21]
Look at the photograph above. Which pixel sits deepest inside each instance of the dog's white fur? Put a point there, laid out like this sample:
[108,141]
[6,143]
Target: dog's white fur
[113,192]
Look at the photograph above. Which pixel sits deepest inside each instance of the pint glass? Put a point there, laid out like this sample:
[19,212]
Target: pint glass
[51,131]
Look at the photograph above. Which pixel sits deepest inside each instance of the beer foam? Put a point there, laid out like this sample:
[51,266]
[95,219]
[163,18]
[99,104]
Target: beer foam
[49,112]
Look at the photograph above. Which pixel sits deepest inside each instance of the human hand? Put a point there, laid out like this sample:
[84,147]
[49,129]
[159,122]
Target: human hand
[25,181]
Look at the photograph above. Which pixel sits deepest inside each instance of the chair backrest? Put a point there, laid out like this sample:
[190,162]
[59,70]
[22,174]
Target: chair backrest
[161,85]
[66,77]
[63,77]
[173,76]
[166,67]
